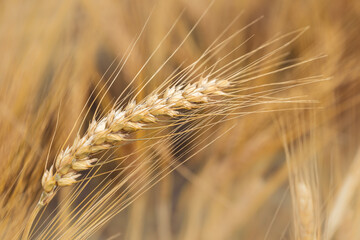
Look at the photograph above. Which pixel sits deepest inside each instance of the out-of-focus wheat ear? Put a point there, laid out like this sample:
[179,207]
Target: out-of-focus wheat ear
[118,124]
[306,211]
[303,174]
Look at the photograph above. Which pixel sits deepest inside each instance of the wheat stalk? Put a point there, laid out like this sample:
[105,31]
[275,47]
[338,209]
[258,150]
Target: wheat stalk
[344,196]
[115,127]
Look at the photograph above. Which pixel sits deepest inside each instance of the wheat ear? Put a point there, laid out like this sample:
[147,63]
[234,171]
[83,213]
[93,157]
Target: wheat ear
[114,128]
[306,211]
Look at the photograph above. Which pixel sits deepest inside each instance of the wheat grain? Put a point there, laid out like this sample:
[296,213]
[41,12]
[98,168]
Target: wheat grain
[114,128]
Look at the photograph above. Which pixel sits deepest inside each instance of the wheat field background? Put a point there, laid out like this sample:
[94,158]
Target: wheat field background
[278,157]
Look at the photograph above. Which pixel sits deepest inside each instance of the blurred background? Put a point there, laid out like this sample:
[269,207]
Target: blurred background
[279,175]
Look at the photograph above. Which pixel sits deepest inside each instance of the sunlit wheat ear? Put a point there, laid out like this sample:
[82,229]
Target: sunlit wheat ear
[115,127]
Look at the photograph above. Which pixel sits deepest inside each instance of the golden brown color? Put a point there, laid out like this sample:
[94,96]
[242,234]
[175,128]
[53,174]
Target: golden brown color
[269,164]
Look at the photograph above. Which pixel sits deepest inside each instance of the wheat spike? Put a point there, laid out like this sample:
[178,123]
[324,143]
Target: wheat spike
[114,128]
[306,211]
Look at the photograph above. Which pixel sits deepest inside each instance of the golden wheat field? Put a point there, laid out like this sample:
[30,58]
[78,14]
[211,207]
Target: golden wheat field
[164,119]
